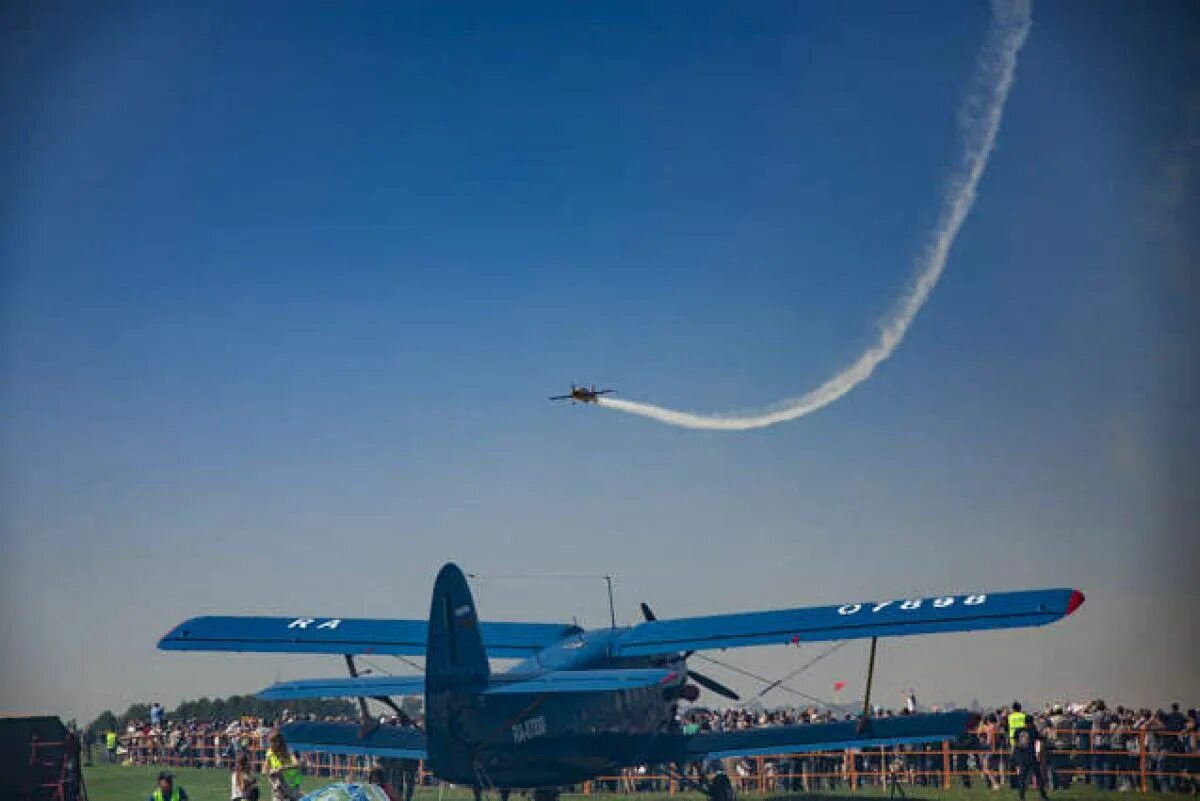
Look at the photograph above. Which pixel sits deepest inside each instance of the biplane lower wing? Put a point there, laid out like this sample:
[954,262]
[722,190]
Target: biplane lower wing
[826,736]
[896,618]
[344,687]
[578,681]
[573,681]
[401,742]
[309,635]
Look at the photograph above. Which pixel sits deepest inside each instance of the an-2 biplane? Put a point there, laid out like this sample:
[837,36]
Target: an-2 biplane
[586,703]
[582,394]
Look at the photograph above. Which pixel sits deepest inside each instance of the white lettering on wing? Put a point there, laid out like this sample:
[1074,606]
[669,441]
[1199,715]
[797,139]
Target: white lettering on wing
[912,604]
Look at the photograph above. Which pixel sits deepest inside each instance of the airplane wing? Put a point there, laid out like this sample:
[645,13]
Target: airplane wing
[821,736]
[403,742]
[344,687]
[561,397]
[325,635]
[574,681]
[577,681]
[896,618]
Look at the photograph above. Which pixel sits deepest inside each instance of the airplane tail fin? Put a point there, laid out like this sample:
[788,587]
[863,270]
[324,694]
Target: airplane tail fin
[456,672]
[454,657]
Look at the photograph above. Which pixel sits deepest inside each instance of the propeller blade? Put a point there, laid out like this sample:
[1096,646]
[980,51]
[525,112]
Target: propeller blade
[711,684]
[704,681]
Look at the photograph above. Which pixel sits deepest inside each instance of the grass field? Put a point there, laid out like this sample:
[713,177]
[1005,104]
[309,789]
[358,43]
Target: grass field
[116,783]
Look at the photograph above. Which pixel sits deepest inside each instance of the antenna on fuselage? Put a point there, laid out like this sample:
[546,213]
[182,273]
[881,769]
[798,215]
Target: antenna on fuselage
[612,610]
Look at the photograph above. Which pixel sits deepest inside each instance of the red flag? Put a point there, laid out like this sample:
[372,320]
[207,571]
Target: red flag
[838,685]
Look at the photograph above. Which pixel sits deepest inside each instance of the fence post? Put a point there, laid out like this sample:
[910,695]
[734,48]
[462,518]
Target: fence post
[1142,761]
[945,764]
[851,769]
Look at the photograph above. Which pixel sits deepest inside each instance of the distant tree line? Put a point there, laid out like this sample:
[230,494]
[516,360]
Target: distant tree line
[221,709]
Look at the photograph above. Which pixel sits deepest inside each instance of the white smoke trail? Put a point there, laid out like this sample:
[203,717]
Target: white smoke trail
[980,122]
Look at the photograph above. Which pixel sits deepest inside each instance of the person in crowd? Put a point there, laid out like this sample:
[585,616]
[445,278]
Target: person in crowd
[989,756]
[1016,721]
[167,790]
[282,767]
[243,784]
[110,745]
[1027,751]
[89,737]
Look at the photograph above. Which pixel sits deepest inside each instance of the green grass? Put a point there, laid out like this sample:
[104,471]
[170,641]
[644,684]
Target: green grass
[117,783]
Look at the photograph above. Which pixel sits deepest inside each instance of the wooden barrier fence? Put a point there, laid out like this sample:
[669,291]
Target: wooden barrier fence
[1138,767]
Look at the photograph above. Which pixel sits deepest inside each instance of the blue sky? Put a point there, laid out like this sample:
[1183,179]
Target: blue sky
[286,285]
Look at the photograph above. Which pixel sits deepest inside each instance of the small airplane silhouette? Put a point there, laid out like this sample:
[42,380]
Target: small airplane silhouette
[582,394]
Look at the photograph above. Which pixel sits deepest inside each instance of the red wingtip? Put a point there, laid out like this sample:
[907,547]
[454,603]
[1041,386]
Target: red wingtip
[1076,601]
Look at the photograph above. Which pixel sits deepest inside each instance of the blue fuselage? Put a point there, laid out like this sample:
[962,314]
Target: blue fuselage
[532,740]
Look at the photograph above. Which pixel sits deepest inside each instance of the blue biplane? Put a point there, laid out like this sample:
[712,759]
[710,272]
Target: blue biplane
[586,703]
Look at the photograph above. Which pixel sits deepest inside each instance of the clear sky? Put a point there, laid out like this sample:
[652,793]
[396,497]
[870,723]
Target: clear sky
[286,285]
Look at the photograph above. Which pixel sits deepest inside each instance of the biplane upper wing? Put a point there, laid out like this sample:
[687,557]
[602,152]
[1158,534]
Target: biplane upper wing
[309,635]
[896,618]
[821,736]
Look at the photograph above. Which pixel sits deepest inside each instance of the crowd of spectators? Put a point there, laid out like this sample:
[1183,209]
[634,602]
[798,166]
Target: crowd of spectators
[1109,748]
[1121,748]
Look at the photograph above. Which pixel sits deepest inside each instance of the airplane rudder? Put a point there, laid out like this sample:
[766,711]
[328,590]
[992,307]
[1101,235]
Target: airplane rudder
[455,655]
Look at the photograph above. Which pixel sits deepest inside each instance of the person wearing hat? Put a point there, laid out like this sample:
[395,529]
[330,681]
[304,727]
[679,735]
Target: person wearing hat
[166,789]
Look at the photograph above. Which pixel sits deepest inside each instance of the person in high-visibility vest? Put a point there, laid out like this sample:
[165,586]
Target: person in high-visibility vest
[282,768]
[1016,722]
[110,745]
[166,789]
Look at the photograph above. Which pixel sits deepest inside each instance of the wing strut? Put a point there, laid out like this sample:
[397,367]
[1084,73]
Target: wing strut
[362,702]
[864,722]
[368,723]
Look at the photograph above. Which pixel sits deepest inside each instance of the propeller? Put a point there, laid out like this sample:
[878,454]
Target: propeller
[704,681]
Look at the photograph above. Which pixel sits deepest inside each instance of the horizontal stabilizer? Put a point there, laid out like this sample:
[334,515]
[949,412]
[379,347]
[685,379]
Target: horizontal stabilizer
[896,618]
[342,687]
[577,681]
[401,742]
[828,736]
[326,635]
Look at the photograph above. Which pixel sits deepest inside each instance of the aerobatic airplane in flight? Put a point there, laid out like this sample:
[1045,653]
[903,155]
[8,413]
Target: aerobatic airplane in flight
[582,394]
[586,703]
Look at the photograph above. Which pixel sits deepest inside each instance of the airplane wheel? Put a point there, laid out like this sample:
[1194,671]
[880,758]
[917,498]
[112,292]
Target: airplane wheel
[720,788]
